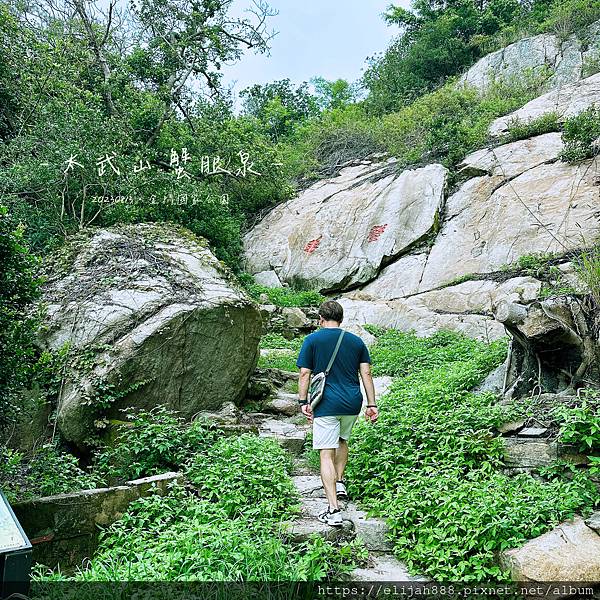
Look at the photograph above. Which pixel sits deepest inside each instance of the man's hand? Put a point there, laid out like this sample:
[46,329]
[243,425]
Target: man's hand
[307,412]
[371,414]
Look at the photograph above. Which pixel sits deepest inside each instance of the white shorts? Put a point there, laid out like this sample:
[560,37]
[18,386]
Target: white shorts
[327,431]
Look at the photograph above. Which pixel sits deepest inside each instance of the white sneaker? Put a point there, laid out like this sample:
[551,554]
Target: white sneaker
[331,517]
[340,488]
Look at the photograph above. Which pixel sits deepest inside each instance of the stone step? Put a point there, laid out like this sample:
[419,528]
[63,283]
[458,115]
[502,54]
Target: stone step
[383,566]
[372,531]
[282,403]
[290,435]
[308,524]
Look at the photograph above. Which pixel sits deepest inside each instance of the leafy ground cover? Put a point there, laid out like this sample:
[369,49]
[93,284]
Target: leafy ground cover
[432,464]
[228,523]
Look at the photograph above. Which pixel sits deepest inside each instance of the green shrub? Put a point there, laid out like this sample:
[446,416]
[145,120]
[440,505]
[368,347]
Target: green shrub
[543,124]
[152,441]
[280,352]
[580,425]
[248,475]
[447,124]
[19,287]
[234,532]
[431,465]
[277,341]
[571,17]
[279,359]
[579,134]
[48,470]
[587,266]
[285,296]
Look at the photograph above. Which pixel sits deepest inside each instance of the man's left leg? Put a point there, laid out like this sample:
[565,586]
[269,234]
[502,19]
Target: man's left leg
[326,433]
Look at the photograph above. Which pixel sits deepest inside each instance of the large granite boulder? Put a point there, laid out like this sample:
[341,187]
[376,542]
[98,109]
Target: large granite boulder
[569,553]
[563,62]
[340,231]
[565,102]
[150,317]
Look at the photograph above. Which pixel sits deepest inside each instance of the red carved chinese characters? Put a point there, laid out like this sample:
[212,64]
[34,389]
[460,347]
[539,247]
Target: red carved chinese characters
[312,245]
[376,232]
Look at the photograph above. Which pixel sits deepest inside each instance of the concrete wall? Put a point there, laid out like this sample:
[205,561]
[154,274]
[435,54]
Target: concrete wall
[63,529]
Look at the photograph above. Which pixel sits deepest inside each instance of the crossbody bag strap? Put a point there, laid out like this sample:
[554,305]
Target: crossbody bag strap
[337,347]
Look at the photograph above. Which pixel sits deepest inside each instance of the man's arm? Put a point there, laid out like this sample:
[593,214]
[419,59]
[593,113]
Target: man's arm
[303,383]
[371,411]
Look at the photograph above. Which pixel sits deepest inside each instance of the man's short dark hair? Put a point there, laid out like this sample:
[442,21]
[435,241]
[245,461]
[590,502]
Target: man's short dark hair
[331,311]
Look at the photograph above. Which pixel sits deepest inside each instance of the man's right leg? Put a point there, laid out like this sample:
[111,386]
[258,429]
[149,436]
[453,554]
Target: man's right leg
[329,475]
[341,458]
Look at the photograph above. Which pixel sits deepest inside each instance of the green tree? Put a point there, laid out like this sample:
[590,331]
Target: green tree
[279,106]
[437,40]
[333,94]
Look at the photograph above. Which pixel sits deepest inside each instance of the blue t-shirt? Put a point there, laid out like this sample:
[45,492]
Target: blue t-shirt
[342,389]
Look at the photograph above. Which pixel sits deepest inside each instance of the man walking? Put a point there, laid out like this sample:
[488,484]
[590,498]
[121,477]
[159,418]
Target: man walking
[336,413]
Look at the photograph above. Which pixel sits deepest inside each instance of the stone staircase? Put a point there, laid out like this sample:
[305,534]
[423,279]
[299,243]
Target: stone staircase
[291,432]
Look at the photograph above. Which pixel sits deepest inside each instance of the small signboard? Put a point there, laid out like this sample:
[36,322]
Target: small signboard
[15,553]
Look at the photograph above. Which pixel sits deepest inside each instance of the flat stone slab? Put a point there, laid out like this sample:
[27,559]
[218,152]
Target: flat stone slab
[533,432]
[64,527]
[372,531]
[385,567]
[291,436]
[529,452]
[302,529]
[511,426]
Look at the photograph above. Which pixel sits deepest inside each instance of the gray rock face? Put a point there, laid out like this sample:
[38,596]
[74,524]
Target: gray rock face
[465,307]
[268,278]
[571,552]
[338,232]
[492,222]
[565,102]
[529,452]
[546,53]
[151,317]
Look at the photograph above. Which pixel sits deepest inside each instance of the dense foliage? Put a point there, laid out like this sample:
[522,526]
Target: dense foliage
[432,463]
[229,527]
[19,286]
[99,135]
[581,134]
[150,442]
[440,39]
[46,471]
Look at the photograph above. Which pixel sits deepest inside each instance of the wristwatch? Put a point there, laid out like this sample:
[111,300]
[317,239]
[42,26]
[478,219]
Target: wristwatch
[302,402]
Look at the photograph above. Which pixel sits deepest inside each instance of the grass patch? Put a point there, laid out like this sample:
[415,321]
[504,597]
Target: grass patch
[518,130]
[587,267]
[280,352]
[432,463]
[280,296]
[580,133]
